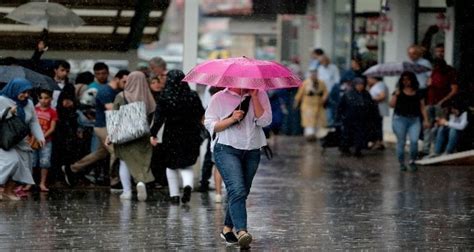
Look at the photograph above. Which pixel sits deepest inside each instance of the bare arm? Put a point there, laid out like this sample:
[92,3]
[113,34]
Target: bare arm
[453,92]
[257,106]
[221,125]
[393,101]
[51,129]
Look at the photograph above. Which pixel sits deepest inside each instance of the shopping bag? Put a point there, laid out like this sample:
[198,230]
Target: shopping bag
[128,123]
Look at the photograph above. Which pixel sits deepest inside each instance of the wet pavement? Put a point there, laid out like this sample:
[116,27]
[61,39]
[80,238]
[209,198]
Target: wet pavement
[303,199]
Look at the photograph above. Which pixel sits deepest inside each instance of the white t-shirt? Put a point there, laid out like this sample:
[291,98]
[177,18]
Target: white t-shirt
[375,91]
[248,134]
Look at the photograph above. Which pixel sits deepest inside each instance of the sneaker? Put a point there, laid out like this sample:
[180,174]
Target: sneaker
[413,167]
[69,175]
[126,195]
[229,238]
[186,194]
[218,198]
[141,191]
[244,240]
[403,167]
[116,188]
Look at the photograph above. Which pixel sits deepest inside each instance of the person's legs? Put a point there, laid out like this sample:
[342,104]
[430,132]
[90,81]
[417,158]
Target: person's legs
[206,170]
[427,133]
[414,129]
[249,166]
[400,129]
[187,174]
[452,140]
[173,182]
[229,162]
[125,178]
[218,183]
[441,139]
[45,164]
[95,156]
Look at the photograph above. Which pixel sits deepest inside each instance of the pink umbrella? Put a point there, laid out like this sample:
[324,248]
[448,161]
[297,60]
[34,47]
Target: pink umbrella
[243,72]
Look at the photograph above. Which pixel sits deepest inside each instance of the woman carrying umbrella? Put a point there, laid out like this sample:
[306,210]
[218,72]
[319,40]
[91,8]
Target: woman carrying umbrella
[237,151]
[16,163]
[235,117]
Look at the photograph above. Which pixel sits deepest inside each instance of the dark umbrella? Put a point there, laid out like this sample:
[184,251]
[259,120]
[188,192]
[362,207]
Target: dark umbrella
[38,80]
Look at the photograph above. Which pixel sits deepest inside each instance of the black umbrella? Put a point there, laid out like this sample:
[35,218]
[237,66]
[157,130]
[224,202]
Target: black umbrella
[38,80]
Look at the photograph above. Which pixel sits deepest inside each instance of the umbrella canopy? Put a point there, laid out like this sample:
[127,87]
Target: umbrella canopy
[394,69]
[45,15]
[243,72]
[38,80]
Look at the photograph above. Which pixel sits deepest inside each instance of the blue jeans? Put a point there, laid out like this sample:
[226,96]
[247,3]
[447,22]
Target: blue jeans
[42,157]
[237,168]
[403,126]
[451,134]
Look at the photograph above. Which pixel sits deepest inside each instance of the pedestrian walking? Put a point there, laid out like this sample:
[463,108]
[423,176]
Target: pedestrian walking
[135,156]
[379,92]
[239,137]
[181,112]
[409,107]
[310,98]
[16,163]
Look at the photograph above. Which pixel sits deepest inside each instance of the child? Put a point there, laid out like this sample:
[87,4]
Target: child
[47,118]
[450,130]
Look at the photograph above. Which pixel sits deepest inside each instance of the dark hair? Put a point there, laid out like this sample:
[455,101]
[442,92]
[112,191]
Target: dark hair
[85,78]
[414,81]
[122,73]
[45,91]
[377,78]
[440,45]
[318,51]
[100,66]
[62,63]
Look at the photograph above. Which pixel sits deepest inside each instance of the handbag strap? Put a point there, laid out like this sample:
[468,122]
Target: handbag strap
[5,113]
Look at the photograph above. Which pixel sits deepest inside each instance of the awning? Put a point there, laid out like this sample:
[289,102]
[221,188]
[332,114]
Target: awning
[111,25]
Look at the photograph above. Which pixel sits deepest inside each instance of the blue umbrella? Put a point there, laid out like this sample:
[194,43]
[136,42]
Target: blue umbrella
[38,80]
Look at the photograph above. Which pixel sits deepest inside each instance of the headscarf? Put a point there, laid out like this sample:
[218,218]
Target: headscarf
[176,93]
[14,88]
[136,89]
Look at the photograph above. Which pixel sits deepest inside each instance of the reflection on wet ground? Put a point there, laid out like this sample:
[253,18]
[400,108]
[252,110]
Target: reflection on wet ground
[303,199]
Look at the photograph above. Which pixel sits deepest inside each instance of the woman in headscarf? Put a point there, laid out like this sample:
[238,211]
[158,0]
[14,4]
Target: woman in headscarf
[16,163]
[157,85]
[135,156]
[182,112]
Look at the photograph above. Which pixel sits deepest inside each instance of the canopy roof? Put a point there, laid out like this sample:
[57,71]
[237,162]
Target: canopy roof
[111,25]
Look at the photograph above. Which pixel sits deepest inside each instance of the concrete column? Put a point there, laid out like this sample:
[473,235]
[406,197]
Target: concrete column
[402,14]
[324,37]
[191,25]
[449,36]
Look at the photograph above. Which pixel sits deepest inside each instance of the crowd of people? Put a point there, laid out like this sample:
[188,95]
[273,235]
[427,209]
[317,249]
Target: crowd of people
[426,106]
[69,141]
